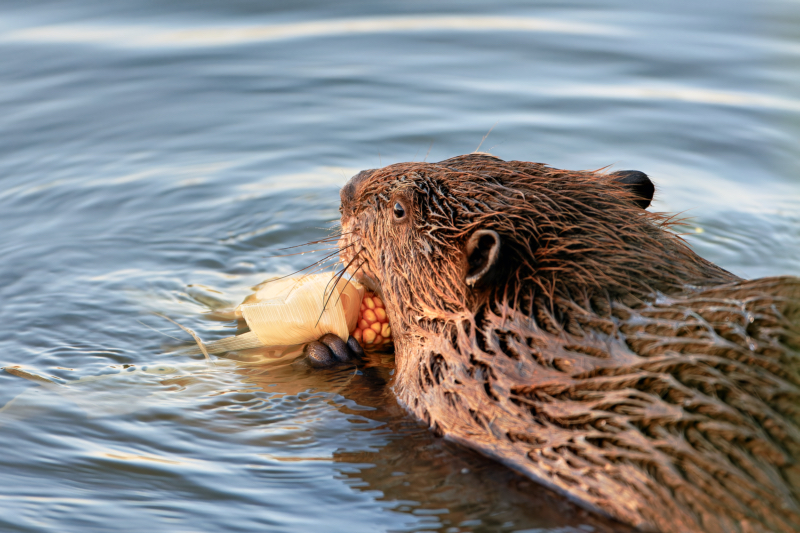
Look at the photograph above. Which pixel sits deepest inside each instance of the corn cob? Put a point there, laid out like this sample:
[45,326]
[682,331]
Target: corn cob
[373,328]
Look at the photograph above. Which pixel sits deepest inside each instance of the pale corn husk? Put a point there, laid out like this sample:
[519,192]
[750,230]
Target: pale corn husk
[245,341]
[296,311]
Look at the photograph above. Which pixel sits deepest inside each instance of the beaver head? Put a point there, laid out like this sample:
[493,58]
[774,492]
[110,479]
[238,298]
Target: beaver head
[544,318]
[442,239]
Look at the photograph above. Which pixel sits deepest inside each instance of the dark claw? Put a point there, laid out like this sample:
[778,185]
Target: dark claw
[319,355]
[337,346]
[330,350]
[355,347]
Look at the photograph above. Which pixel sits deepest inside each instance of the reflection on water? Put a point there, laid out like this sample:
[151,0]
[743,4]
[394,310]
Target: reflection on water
[156,158]
[156,37]
[682,94]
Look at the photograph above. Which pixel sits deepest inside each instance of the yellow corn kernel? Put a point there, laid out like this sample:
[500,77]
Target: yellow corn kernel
[369,316]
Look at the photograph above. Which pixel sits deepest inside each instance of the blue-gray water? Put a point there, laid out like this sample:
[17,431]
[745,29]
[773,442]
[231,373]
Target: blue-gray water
[155,153]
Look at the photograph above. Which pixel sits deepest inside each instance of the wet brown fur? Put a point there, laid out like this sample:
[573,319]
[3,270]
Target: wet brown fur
[601,356]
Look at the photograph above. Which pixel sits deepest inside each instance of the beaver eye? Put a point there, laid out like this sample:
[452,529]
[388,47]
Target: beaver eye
[399,212]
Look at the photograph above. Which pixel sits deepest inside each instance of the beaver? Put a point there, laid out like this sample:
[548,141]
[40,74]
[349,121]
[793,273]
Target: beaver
[545,319]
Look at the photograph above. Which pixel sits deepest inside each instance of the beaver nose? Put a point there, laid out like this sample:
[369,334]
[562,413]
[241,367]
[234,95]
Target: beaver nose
[348,192]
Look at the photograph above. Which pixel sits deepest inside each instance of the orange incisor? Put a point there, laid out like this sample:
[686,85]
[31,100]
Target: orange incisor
[373,326]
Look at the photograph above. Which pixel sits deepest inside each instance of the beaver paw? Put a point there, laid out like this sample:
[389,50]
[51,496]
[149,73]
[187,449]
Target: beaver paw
[329,350]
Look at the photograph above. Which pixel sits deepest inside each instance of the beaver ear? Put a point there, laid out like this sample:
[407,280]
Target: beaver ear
[483,248]
[638,183]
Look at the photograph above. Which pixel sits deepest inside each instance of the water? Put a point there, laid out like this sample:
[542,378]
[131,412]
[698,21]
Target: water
[156,154]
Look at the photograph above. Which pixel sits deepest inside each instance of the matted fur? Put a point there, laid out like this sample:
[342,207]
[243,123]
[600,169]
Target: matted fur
[602,357]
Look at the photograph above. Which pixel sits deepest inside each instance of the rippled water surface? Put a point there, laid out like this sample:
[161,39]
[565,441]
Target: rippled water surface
[154,155]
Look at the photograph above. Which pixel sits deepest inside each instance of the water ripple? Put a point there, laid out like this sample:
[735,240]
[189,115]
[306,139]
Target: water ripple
[144,36]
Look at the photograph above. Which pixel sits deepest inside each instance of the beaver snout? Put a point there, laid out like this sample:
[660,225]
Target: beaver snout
[348,193]
[350,190]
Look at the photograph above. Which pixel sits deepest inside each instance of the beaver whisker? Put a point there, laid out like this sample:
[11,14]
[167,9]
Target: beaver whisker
[333,224]
[331,238]
[330,241]
[303,253]
[357,254]
[319,266]
[328,263]
[337,277]
[315,263]
[347,282]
